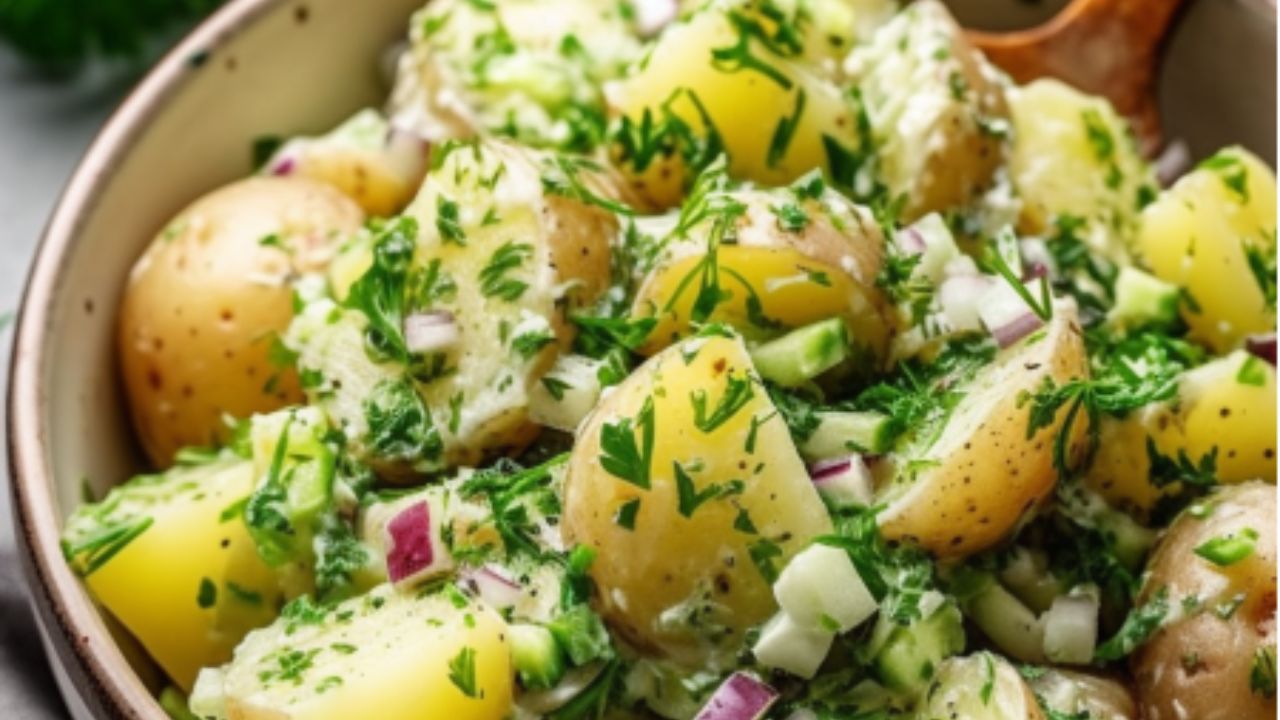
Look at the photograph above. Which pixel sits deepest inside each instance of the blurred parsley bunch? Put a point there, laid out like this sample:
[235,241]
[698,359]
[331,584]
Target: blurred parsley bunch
[62,34]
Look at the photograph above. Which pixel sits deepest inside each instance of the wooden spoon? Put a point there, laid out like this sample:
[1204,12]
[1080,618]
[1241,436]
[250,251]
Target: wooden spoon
[1103,47]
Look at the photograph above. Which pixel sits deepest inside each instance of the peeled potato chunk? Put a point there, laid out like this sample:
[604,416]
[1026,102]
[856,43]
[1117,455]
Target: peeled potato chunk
[686,483]
[185,580]
[975,482]
[206,300]
[772,275]
[935,106]
[1074,692]
[406,655]
[1213,234]
[981,686]
[1220,625]
[1224,409]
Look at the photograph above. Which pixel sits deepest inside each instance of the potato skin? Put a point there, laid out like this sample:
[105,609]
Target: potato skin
[670,561]
[1213,410]
[1071,692]
[841,241]
[983,474]
[957,691]
[1198,664]
[205,300]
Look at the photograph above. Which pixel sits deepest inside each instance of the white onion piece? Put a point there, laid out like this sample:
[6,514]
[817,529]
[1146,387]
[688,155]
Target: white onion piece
[1016,329]
[1071,629]
[543,702]
[494,586]
[845,482]
[1036,258]
[415,551]
[739,697]
[1006,315]
[407,151]
[283,165]
[430,332]
[651,16]
[960,298]
[1174,161]
[910,241]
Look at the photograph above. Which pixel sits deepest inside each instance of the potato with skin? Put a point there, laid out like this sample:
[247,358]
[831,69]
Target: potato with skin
[1073,155]
[1200,664]
[378,165]
[208,297]
[971,486]
[1213,234]
[981,686]
[189,584]
[696,78]
[401,653]
[825,265]
[1225,408]
[940,142]
[1072,693]
[681,476]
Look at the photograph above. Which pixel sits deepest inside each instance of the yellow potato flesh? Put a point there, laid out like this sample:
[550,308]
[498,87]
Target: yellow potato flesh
[206,300]
[392,660]
[1195,237]
[1214,411]
[671,562]
[983,474]
[152,585]
[744,106]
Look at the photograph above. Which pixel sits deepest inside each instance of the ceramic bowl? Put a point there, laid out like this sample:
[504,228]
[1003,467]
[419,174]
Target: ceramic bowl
[287,66]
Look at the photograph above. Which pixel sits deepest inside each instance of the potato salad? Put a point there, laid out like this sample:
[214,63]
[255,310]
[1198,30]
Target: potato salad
[726,360]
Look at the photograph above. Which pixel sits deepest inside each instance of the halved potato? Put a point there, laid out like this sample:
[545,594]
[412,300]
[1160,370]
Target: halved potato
[1072,693]
[698,77]
[1220,628]
[776,275]
[936,108]
[1214,235]
[170,557]
[206,300]
[981,686]
[1225,408]
[686,483]
[982,475]
[404,654]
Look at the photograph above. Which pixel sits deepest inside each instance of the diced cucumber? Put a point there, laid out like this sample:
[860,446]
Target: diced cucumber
[1013,627]
[910,655]
[1143,299]
[803,354]
[842,432]
[820,588]
[787,645]
[1071,627]
[1027,575]
[536,655]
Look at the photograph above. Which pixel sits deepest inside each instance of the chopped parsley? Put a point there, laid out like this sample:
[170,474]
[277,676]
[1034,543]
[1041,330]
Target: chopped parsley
[1226,550]
[447,221]
[739,390]
[207,595]
[462,672]
[1140,624]
[621,454]
[494,281]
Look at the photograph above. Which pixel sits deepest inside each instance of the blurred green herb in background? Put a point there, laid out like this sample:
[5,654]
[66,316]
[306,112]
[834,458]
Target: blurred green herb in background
[61,35]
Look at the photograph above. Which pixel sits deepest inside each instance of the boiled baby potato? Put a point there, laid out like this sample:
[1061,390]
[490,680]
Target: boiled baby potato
[163,556]
[694,85]
[1074,156]
[802,258]
[1214,235]
[1072,693]
[936,108]
[207,299]
[686,483]
[1213,658]
[527,69]
[506,242]
[378,165]
[408,655]
[981,686]
[971,486]
[1224,410]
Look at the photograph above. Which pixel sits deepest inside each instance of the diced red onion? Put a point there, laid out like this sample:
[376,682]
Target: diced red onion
[828,468]
[1016,329]
[740,697]
[430,332]
[843,481]
[910,241]
[494,586]
[1173,162]
[413,550]
[1262,347]
[653,15]
[283,166]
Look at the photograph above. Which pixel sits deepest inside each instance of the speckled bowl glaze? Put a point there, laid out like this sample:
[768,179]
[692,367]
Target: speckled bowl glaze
[287,66]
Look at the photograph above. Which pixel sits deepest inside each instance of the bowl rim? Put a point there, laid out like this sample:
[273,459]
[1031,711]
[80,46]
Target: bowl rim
[83,646]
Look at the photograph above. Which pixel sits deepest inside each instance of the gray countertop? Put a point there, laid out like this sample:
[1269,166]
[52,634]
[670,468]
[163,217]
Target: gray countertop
[45,125]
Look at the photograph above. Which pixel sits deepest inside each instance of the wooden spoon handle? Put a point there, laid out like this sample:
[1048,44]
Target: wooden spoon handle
[1104,47]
